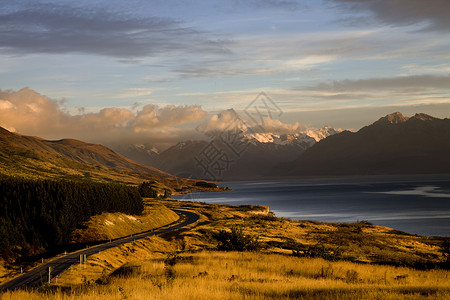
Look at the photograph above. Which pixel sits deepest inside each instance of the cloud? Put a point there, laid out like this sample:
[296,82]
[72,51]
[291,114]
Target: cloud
[272,4]
[132,93]
[30,113]
[227,120]
[6,105]
[230,120]
[416,82]
[30,27]
[151,116]
[278,54]
[434,13]
[277,127]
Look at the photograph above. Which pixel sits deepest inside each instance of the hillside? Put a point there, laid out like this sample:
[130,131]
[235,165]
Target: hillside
[38,158]
[394,144]
[100,155]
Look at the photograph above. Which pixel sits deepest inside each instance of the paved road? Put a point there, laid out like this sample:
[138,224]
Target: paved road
[36,277]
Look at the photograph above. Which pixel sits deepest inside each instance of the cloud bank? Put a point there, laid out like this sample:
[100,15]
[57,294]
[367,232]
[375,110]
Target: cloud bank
[54,28]
[30,113]
[416,82]
[434,13]
[230,120]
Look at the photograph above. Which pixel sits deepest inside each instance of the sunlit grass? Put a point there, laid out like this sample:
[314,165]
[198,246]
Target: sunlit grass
[115,225]
[232,275]
[360,242]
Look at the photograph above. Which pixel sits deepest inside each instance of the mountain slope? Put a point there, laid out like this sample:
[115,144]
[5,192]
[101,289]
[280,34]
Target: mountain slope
[34,157]
[392,145]
[100,155]
[261,152]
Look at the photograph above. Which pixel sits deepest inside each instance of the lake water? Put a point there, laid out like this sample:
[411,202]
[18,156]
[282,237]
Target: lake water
[415,204]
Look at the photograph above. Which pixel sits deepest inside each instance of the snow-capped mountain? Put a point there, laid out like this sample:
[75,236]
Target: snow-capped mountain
[307,137]
[320,134]
[244,153]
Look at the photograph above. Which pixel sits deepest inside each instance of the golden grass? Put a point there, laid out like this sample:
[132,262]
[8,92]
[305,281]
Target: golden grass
[114,225]
[356,241]
[232,275]
[101,265]
[58,167]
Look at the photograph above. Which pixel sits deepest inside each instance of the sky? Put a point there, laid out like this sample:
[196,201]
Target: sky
[154,72]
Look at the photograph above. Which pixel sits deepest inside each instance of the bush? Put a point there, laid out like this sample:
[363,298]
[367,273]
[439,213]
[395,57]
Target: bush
[445,251]
[167,193]
[317,250]
[236,240]
[147,190]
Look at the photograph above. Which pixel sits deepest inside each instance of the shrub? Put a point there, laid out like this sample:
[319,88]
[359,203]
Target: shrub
[167,193]
[236,240]
[317,250]
[147,190]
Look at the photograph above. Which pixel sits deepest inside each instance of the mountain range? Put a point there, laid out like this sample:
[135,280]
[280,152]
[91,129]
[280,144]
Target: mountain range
[394,144]
[244,154]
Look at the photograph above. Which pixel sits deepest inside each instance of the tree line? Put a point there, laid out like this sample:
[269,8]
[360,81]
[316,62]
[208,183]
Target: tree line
[37,215]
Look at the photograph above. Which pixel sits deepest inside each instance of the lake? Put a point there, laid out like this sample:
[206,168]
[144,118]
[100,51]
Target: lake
[415,204]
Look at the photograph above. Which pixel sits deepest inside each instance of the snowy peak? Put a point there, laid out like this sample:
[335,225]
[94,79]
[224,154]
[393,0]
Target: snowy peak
[309,136]
[320,134]
[423,117]
[398,118]
[278,139]
[394,118]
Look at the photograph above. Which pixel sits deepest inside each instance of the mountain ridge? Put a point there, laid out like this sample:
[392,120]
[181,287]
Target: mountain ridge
[26,155]
[392,145]
[262,152]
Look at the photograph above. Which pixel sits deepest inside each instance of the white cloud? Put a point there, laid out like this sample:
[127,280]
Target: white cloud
[276,126]
[227,120]
[133,92]
[6,105]
[30,113]
[230,120]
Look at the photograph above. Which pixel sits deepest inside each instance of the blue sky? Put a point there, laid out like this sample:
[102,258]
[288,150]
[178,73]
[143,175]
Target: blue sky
[343,63]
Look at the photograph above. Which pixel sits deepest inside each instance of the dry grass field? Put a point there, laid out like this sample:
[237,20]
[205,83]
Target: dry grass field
[114,225]
[249,275]
[296,260]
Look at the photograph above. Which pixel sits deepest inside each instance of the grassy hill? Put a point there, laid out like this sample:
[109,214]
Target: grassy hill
[32,157]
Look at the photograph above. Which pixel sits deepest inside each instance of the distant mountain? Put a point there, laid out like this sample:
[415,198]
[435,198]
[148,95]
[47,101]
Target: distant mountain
[99,155]
[262,152]
[142,153]
[394,144]
[35,157]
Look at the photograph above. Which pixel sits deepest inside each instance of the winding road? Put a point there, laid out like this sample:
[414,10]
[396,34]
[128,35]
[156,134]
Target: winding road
[38,276]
